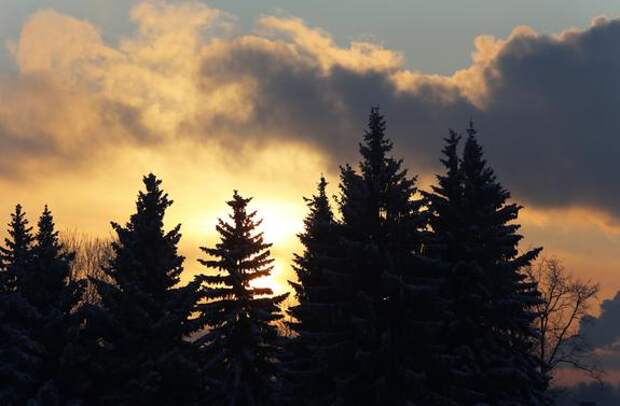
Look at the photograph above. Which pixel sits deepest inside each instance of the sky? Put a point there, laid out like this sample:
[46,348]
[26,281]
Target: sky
[265,96]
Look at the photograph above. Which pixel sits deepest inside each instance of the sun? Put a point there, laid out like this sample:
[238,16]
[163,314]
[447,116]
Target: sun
[281,221]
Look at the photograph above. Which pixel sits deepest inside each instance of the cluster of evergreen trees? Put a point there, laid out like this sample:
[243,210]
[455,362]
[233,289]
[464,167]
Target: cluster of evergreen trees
[403,298]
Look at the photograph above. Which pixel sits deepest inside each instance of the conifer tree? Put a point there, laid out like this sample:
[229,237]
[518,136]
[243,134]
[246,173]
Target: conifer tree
[49,282]
[320,296]
[47,285]
[144,321]
[20,352]
[16,256]
[379,204]
[491,311]
[381,234]
[319,241]
[242,348]
[445,203]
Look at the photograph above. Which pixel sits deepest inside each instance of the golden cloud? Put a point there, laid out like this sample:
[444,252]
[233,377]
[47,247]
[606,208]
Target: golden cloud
[320,47]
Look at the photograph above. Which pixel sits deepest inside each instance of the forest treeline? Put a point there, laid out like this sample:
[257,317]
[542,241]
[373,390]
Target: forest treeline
[403,297]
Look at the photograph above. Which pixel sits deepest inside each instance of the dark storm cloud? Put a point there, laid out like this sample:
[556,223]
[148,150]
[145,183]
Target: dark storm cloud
[553,124]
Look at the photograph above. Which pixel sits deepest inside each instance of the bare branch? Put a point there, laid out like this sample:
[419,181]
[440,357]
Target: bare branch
[91,256]
[565,302]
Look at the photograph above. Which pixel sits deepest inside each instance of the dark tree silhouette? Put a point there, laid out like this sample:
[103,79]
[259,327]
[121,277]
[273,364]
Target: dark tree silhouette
[46,284]
[400,301]
[313,319]
[144,321]
[492,306]
[16,256]
[381,234]
[318,241]
[20,351]
[445,204]
[241,350]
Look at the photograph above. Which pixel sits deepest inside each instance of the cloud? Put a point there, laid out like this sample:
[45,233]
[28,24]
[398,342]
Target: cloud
[604,330]
[44,124]
[321,49]
[55,42]
[545,104]
[602,394]
[552,106]
[146,85]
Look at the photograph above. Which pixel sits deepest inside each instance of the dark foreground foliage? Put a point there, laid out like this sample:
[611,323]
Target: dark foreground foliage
[401,298]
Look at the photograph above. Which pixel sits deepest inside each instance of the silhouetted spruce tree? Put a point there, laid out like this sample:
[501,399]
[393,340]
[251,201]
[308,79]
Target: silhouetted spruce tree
[241,350]
[392,303]
[445,205]
[489,327]
[313,318]
[20,352]
[16,256]
[141,329]
[48,279]
[48,286]
[318,241]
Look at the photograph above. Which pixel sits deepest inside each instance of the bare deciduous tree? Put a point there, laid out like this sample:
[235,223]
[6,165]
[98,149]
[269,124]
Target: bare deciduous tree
[565,302]
[91,255]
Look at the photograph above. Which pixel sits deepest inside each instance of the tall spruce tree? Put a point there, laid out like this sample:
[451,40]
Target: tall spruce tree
[445,204]
[144,321]
[48,286]
[16,256]
[489,327]
[319,297]
[242,348]
[48,280]
[391,306]
[20,351]
[318,241]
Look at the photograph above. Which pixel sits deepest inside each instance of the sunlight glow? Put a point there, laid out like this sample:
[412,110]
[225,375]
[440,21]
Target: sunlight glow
[282,221]
[274,281]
